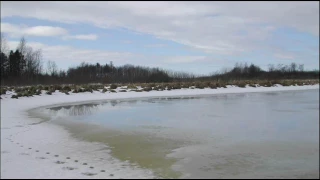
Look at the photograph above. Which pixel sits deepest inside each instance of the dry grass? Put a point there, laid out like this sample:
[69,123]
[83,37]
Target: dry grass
[29,91]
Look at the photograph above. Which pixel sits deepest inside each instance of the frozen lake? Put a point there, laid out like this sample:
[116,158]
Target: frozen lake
[249,135]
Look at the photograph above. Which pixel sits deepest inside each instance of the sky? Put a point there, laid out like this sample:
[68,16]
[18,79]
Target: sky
[198,36]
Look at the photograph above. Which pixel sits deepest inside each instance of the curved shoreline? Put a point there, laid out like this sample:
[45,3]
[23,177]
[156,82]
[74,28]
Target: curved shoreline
[14,110]
[207,93]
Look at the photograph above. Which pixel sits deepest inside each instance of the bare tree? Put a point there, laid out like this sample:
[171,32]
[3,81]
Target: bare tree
[271,67]
[293,67]
[301,67]
[22,46]
[52,68]
[4,44]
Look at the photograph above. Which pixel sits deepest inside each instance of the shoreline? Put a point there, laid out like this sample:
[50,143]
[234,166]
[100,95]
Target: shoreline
[16,126]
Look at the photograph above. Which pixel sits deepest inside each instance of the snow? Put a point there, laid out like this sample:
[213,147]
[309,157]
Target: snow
[19,132]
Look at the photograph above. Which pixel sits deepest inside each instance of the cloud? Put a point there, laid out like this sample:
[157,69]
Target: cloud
[42,31]
[83,37]
[45,31]
[284,56]
[155,45]
[185,59]
[229,28]
[68,56]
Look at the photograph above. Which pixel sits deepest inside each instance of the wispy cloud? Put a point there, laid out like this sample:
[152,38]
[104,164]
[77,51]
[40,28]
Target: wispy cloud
[82,37]
[19,30]
[212,27]
[185,59]
[284,56]
[231,30]
[155,45]
[14,30]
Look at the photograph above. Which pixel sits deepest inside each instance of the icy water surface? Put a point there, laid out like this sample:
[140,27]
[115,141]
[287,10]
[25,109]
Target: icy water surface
[251,135]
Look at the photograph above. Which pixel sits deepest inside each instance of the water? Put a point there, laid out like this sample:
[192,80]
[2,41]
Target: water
[252,135]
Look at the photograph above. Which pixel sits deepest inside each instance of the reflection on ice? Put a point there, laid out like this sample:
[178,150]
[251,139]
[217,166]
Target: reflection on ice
[250,135]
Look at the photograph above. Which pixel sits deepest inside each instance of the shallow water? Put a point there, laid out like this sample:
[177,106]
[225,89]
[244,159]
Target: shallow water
[252,135]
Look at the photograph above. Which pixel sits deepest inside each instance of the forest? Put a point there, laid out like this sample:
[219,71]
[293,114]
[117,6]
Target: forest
[25,66]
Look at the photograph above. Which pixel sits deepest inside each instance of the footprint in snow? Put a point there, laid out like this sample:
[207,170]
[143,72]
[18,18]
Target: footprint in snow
[41,157]
[89,174]
[69,168]
[59,162]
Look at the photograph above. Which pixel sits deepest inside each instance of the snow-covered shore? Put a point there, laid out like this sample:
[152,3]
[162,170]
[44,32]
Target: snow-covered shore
[19,133]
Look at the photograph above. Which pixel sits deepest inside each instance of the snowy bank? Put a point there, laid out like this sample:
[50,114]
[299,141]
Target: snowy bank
[31,149]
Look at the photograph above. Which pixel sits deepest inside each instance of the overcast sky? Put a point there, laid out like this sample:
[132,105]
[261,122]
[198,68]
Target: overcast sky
[198,37]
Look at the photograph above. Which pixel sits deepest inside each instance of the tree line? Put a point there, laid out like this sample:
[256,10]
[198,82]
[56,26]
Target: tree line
[24,66]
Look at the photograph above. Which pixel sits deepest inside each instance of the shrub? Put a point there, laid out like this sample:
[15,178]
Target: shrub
[123,90]
[113,91]
[17,90]
[268,84]
[46,88]
[132,87]
[67,93]
[100,86]
[14,97]
[285,84]
[147,89]
[212,86]
[66,88]
[57,87]
[113,86]
[242,85]
[38,92]
[104,90]
[26,94]
[176,86]
[3,91]
[300,84]
[200,86]
[151,85]
[32,91]
[32,88]
[88,90]
[49,92]
[75,91]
